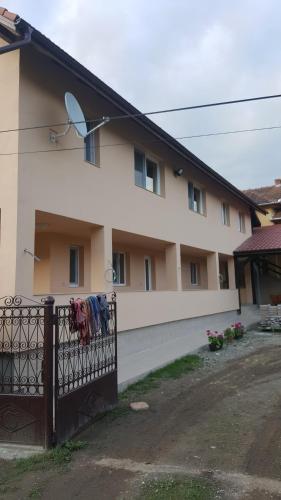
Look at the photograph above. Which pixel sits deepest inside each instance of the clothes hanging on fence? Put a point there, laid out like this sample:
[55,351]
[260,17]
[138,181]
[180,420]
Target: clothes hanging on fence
[94,314]
[104,314]
[79,320]
[88,317]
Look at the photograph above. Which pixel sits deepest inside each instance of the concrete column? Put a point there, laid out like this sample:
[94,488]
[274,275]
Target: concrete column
[101,260]
[213,271]
[173,266]
[8,250]
[16,266]
[231,273]
[25,240]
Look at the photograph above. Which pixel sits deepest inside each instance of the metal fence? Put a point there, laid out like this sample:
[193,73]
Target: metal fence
[45,372]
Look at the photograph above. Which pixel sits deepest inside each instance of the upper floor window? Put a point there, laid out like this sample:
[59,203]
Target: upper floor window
[194,273]
[118,264]
[196,199]
[90,146]
[225,214]
[241,223]
[147,173]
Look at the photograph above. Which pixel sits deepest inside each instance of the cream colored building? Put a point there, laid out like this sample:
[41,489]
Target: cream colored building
[115,202]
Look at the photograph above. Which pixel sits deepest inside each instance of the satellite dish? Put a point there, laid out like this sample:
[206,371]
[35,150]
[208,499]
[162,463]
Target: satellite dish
[75,114]
[76,118]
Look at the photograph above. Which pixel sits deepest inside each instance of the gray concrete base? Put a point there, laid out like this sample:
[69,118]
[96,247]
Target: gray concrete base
[12,451]
[146,349]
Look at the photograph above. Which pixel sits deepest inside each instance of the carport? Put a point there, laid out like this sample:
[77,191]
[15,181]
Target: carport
[258,266]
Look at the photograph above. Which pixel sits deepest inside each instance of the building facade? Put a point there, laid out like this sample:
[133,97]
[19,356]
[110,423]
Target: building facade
[130,209]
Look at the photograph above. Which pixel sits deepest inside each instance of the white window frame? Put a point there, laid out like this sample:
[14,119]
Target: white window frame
[77,260]
[153,160]
[196,267]
[225,213]
[147,258]
[241,222]
[115,283]
[92,139]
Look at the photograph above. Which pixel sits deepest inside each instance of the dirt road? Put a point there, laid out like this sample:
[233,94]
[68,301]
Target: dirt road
[221,422]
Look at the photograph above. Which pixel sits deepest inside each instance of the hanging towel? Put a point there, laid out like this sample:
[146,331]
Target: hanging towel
[104,314]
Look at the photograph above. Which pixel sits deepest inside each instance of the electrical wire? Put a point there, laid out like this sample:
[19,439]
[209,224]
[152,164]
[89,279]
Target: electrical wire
[149,113]
[117,144]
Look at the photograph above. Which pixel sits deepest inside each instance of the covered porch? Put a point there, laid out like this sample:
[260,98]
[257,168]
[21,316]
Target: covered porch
[258,267]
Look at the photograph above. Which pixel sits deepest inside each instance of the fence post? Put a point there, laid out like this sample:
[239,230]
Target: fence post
[48,369]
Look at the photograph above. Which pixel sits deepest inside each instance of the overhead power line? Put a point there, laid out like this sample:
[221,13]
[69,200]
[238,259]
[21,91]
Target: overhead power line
[149,113]
[118,144]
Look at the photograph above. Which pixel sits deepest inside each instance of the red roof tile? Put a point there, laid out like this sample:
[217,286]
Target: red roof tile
[263,238]
[9,15]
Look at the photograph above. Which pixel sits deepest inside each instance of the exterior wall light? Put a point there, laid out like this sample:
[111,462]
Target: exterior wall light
[178,172]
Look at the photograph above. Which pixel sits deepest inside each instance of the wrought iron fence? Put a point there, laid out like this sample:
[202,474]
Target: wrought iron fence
[21,347]
[78,364]
[51,383]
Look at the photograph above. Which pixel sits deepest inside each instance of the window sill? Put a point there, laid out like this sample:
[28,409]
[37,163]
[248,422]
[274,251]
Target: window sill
[151,192]
[197,213]
[92,164]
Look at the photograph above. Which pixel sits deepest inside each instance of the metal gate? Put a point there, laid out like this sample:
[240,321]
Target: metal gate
[51,385]
[25,373]
[85,376]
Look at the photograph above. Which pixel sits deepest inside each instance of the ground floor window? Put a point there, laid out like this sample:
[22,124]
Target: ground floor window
[224,279]
[74,266]
[118,264]
[148,273]
[194,273]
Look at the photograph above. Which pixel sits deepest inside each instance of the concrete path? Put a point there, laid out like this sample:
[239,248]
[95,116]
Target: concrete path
[145,349]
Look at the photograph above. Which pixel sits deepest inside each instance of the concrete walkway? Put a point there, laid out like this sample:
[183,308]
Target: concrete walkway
[145,349]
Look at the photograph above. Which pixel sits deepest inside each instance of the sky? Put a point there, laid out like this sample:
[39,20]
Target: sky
[162,54]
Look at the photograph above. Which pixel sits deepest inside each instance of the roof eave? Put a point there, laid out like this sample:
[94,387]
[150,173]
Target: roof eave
[99,86]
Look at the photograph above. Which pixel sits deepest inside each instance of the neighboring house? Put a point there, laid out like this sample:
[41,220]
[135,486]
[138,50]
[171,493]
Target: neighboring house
[131,198]
[269,199]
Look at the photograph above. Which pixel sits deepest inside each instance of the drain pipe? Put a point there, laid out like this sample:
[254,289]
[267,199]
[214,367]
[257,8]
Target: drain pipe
[19,44]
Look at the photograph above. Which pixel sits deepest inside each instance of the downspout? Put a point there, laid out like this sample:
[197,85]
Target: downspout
[19,44]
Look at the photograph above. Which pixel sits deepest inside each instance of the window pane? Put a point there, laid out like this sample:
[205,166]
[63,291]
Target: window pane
[197,203]
[194,273]
[223,269]
[90,146]
[121,269]
[151,176]
[73,268]
[190,196]
[115,267]
[139,169]
[118,264]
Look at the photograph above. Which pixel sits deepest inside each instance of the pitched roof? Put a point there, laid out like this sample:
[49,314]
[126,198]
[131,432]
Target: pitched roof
[9,15]
[64,59]
[266,194]
[263,239]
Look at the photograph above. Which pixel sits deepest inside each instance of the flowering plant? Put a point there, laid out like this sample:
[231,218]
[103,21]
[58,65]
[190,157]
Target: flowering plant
[215,339]
[238,330]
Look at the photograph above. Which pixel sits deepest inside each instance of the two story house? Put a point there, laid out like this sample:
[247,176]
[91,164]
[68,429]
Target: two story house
[129,209]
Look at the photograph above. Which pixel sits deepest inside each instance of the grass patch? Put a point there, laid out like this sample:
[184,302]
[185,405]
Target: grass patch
[172,371]
[57,458]
[178,489]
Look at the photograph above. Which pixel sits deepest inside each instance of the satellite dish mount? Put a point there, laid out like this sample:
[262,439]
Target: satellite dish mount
[77,119]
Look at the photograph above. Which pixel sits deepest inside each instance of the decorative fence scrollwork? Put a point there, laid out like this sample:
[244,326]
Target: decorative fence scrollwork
[46,375]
